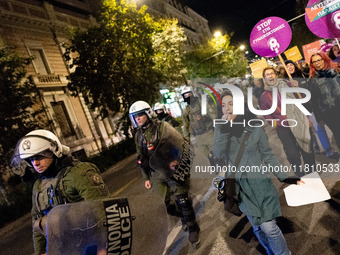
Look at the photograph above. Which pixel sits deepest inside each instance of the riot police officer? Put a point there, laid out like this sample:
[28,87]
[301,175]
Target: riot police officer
[162,114]
[197,128]
[61,179]
[163,155]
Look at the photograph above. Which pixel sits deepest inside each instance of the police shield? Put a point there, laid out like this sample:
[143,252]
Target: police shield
[90,228]
[172,155]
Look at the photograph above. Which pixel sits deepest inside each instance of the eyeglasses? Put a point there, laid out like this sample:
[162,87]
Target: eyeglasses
[317,61]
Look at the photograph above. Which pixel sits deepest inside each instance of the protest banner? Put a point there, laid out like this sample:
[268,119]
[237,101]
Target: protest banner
[270,37]
[293,54]
[257,67]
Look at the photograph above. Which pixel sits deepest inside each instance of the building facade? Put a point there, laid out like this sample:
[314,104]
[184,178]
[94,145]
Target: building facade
[39,28]
[195,26]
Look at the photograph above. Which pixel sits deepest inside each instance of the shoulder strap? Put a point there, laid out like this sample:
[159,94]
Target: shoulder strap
[241,150]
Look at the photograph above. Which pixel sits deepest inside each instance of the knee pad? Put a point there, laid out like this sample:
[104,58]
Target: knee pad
[171,209]
[183,201]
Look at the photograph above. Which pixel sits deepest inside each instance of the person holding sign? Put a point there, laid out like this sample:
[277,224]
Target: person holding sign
[325,90]
[164,158]
[296,140]
[296,72]
[61,179]
[257,196]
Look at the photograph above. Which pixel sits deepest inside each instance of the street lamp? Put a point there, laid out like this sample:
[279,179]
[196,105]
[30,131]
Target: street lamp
[242,47]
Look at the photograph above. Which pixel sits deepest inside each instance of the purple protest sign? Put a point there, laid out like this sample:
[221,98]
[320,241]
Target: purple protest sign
[326,47]
[270,37]
[323,18]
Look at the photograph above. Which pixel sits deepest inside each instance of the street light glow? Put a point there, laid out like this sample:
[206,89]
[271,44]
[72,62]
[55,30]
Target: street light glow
[242,47]
[217,34]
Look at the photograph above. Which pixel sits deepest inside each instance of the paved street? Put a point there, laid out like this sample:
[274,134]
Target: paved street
[310,229]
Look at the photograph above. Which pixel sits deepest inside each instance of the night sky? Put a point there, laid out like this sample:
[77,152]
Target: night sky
[240,16]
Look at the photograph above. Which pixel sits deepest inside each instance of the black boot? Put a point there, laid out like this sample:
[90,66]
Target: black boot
[185,205]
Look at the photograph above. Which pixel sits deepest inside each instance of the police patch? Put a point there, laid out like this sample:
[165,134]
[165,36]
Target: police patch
[95,178]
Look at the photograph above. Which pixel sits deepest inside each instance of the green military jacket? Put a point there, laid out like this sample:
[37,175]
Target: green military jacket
[194,122]
[173,122]
[75,181]
[147,143]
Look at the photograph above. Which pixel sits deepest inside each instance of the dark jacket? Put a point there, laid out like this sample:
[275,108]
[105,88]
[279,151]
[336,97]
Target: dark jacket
[259,198]
[324,81]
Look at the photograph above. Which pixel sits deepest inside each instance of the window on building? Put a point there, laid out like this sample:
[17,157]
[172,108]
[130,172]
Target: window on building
[63,119]
[81,155]
[39,62]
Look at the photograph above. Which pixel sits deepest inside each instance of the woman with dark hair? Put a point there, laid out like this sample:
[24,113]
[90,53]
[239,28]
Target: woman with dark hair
[325,90]
[334,53]
[258,89]
[259,200]
[294,70]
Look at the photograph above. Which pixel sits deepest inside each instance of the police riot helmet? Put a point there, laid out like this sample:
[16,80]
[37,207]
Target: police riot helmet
[159,106]
[41,140]
[186,90]
[139,107]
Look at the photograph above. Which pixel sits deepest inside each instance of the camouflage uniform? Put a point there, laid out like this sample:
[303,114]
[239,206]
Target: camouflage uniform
[146,143]
[158,144]
[198,128]
[68,181]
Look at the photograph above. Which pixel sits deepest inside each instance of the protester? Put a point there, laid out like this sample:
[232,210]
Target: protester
[325,90]
[296,141]
[258,89]
[258,198]
[281,71]
[301,77]
[334,54]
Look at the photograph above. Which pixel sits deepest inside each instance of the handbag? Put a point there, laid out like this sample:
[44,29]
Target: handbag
[226,188]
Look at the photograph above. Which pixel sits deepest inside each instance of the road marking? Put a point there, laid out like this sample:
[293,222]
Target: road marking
[124,187]
[178,227]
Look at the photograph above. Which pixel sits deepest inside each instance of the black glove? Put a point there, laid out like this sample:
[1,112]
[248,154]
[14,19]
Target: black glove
[292,180]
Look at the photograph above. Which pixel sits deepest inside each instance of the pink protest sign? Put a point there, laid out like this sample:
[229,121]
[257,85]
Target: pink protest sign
[323,18]
[270,37]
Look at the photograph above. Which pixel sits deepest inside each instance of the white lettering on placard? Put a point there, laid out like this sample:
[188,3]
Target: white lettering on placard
[264,24]
[274,45]
[336,19]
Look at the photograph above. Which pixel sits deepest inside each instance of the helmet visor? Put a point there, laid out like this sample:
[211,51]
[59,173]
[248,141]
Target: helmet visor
[134,115]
